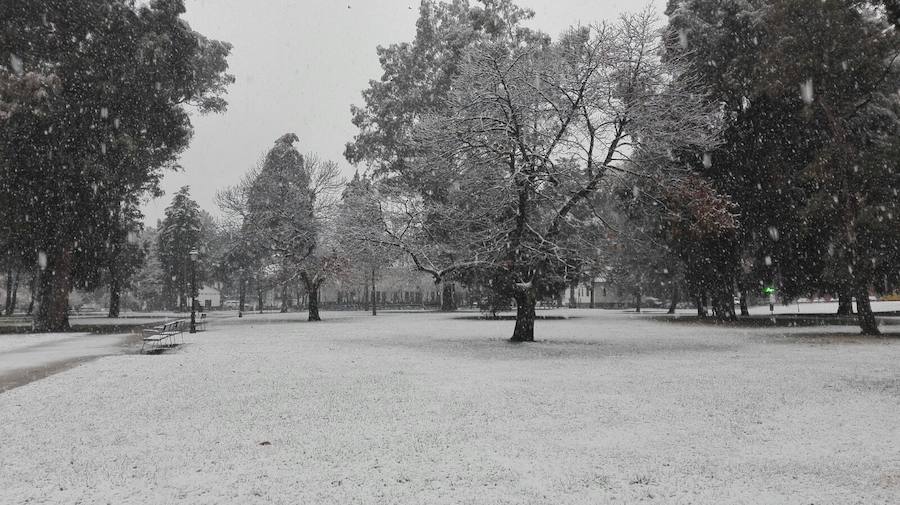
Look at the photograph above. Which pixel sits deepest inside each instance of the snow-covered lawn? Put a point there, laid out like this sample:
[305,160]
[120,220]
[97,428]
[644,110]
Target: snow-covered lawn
[427,409]
[820,307]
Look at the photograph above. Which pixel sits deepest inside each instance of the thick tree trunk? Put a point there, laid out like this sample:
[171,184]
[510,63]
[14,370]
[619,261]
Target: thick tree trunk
[242,290]
[700,301]
[676,294]
[723,305]
[572,302]
[259,296]
[284,299]
[114,293]
[12,294]
[637,301]
[728,305]
[845,303]
[867,322]
[591,304]
[373,298]
[447,302]
[745,310]
[526,300]
[313,291]
[55,286]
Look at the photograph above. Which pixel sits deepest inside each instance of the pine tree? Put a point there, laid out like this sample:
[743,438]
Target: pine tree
[180,232]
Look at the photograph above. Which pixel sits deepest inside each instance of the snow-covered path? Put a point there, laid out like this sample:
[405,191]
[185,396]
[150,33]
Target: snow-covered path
[28,357]
[427,408]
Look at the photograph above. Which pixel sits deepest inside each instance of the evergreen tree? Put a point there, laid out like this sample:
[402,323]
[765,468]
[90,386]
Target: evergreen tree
[811,114]
[100,110]
[287,206]
[180,232]
[126,254]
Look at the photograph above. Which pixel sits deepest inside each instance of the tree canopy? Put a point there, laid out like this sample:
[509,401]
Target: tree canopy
[100,111]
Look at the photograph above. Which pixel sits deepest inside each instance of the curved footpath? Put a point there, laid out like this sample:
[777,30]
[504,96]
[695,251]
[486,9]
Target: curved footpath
[27,357]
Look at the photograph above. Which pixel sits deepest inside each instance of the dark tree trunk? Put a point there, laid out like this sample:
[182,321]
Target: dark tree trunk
[591,304]
[12,293]
[676,294]
[374,295]
[259,296]
[721,306]
[572,302]
[313,291]
[845,304]
[55,286]
[114,293]
[526,300]
[700,301]
[242,290]
[32,286]
[745,310]
[867,322]
[447,302]
[9,279]
[726,300]
[637,301]
[284,299]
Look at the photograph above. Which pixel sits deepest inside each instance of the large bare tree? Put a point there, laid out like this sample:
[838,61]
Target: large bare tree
[529,145]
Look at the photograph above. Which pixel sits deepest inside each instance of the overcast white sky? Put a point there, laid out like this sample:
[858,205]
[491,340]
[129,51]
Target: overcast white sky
[298,66]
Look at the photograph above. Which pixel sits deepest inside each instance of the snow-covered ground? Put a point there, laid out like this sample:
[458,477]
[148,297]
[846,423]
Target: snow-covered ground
[27,357]
[820,308]
[17,341]
[608,407]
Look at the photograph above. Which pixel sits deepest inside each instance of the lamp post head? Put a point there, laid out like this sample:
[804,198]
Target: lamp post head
[194,254]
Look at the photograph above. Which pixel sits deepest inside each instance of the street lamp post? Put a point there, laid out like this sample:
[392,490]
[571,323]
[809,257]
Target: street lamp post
[194,255]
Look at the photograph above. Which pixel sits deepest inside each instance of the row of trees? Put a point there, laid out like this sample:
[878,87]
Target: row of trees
[94,100]
[745,145]
[807,158]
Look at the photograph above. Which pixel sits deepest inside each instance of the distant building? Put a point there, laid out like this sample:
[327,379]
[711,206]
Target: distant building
[209,297]
[605,295]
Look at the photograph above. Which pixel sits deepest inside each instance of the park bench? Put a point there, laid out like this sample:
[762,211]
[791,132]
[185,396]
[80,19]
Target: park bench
[163,333]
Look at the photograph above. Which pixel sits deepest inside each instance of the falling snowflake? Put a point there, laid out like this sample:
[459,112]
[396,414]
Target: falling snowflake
[806,91]
[16,63]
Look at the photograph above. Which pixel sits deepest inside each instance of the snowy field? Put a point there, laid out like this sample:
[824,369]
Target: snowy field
[820,308]
[428,409]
